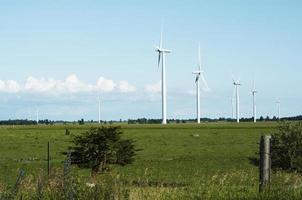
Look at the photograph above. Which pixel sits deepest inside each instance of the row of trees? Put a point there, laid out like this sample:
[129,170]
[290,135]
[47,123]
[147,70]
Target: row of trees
[261,119]
[26,122]
[144,121]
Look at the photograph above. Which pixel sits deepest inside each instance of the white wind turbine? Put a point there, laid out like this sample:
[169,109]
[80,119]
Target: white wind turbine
[161,60]
[37,115]
[233,104]
[99,121]
[237,84]
[199,74]
[278,108]
[254,91]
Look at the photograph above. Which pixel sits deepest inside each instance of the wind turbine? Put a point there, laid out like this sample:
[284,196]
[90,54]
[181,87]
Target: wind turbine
[99,110]
[233,104]
[37,115]
[199,73]
[237,84]
[254,91]
[278,108]
[161,60]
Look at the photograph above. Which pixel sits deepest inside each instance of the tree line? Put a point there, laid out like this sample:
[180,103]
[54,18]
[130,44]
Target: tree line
[143,121]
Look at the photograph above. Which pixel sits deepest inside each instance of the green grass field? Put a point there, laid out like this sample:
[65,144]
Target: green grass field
[172,160]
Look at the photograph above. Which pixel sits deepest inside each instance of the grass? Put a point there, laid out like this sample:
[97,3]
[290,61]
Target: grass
[180,161]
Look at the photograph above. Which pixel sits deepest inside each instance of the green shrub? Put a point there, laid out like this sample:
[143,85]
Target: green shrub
[286,147]
[98,147]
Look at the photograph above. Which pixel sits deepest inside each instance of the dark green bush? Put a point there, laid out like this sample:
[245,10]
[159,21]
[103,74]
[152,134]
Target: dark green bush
[98,147]
[286,147]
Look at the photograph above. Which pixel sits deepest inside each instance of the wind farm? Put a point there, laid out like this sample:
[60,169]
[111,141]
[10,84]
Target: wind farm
[99,100]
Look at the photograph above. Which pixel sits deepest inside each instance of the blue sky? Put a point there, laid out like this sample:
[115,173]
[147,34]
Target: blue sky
[60,56]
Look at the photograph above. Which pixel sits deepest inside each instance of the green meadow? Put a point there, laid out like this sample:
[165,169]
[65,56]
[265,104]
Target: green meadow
[179,161]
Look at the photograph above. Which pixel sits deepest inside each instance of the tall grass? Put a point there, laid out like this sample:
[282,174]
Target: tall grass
[233,185]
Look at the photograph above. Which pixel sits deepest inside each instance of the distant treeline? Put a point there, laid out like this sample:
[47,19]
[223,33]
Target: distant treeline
[177,121]
[52,122]
[142,121]
[25,122]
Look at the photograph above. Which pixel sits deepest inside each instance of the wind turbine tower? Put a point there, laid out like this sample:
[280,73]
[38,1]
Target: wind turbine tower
[233,104]
[37,115]
[199,74]
[99,111]
[278,108]
[254,91]
[161,60]
[237,84]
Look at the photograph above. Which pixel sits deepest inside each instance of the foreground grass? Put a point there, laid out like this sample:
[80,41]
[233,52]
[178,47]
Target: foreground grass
[236,185]
[207,161]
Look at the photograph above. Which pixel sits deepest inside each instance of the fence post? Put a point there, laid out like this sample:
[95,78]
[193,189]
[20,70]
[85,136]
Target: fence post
[265,162]
[48,158]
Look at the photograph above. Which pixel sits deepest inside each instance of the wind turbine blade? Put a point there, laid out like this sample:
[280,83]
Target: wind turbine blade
[233,78]
[234,92]
[254,87]
[199,57]
[206,87]
[159,58]
[197,78]
[161,39]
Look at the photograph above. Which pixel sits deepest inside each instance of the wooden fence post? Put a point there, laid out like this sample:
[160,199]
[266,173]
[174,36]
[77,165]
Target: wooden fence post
[48,158]
[265,162]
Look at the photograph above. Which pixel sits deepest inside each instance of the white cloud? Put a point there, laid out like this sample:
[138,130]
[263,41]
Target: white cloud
[9,86]
[71,84]
[105,85]
[33,84]
[124,86]
[153,88]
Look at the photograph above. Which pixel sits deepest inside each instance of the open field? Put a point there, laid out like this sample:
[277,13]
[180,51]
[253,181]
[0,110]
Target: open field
[173,159]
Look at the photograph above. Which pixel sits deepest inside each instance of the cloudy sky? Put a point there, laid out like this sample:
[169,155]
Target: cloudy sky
[60,56]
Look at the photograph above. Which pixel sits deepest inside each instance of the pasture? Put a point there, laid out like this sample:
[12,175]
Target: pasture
[211,160]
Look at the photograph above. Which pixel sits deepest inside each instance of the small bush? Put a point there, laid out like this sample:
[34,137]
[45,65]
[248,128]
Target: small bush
[286,147]
[98,147]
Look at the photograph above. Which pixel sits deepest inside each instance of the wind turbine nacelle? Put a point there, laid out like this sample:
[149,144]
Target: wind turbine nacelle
[197,72]
[157,49]
[235,82]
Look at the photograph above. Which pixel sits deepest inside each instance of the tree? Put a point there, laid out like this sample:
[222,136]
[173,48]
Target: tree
[99,147]
[286,147]
[81,122]
[261,118]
